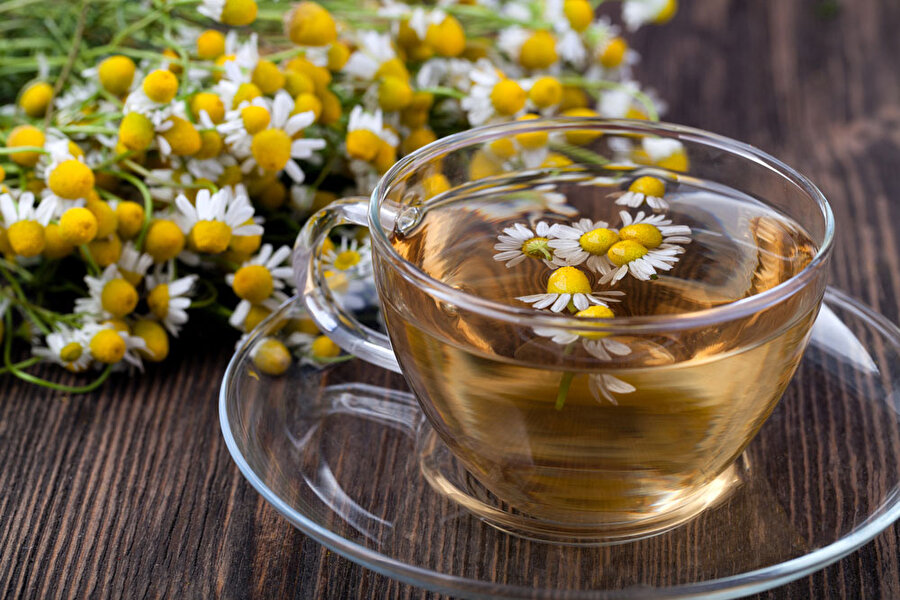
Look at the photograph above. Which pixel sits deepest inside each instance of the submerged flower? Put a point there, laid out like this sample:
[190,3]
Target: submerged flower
[645,189]
[569,287]
[517,243]
[647,244]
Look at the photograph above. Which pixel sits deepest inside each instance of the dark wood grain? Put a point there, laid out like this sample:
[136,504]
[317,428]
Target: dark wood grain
[130,492]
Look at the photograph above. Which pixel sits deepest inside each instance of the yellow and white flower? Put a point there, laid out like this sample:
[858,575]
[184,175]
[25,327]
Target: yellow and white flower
[260,281]
[110,346]
[169,298]
[111,296]
[373,50]
[214,219]
[236,13]
[67,347]
[133,263]
[492,95]
[274,148]
[569,287]
[637,13]
[585,241]
[349,256]
[645,189]
[519,243]
[24,223]
[646,245]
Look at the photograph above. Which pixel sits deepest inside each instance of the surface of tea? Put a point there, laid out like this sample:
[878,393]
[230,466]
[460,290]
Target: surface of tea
[579,427]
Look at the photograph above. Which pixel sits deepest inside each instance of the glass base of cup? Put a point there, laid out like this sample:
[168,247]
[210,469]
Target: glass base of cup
[448,477]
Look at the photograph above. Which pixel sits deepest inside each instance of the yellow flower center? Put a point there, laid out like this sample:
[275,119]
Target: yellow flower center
[158,301]
[245,93]
[255,316]
[598,241]
[25,135]
[614,53]
[555,160]
[78,226]
[546,91]
[580,137]
[107,346]
[447,38]
[183,137]
[271,357]
[26,238]
[268,77]
[537,247]
[622,253]
[594,312]
[435,184]
[107,222]
[307,102]
[538,51]
[209,102]
[338,55]
[160,86]
[418,137]
[211,237]
[211,144]
[297,83]
[362,144]
[255,118]
[71,352]
[55,246]
[71,179]
[394,93]
[106,251]
[238,13]
[253,283]
[579,14]
[130,218]
[533,139]
[164,240]
[347,259]
[323,347]
[36,99]
[508,97]
[210,45]
[311,25]
[667,12]
[650,186]
[385,158]
[118,297]
[116,74]
[483,165]
[271,149]
[155,339]
[677,161]
[647,235]
[503,148]
[136,132]
[568,280]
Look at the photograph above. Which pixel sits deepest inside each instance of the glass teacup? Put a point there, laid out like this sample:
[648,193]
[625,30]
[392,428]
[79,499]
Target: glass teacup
[593,413]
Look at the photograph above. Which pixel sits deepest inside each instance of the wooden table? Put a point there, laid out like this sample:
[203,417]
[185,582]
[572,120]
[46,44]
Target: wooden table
[130,492]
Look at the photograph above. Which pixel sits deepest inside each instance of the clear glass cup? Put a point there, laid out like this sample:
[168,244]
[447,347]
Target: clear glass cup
[701,383]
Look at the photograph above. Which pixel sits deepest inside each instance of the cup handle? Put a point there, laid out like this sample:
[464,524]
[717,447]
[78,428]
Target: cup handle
[339,325]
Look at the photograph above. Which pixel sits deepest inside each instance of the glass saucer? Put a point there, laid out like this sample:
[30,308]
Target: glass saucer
[345,455]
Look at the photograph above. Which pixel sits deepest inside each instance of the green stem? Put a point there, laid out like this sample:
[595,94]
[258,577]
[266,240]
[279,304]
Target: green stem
[70,60]
[564,384]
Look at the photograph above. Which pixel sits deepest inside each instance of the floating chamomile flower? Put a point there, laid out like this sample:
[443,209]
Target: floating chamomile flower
[518,243]
[350,255]
[211,222]
[168,298]
[24,223]
[112,296]
[569,287]
[583,242]
[260,281]
[274,148]
[647,244]
[645,189]
[66,347]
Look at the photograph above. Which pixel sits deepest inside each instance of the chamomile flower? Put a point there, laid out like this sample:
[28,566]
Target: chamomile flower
[518,243]
[569,287]
[585,241]
[351,291]
[663,152]
[133,264]
[647,245]
[350,255]
[274,148]
[153,97]
[168,298]
[260,281]
[66,175]
[645,189]
[24,223]
[235,13]
[271,356]
[111,296]
[214,219]
[492,95]
[66,347]
[636,13]
[366,134]
[373,50]
[110,346]
[242,123]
